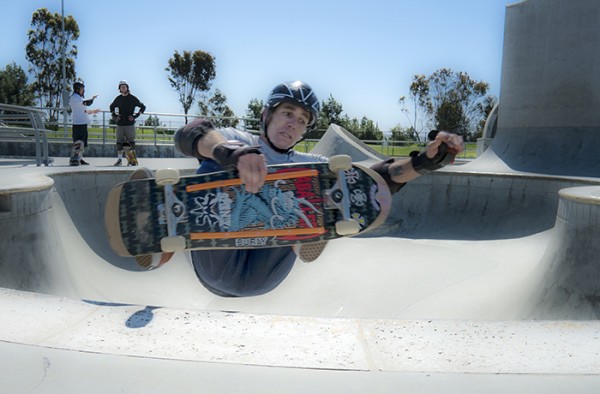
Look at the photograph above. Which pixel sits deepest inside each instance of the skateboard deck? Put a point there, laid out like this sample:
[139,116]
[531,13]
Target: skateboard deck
[76,152]
[130,154]
[299,203]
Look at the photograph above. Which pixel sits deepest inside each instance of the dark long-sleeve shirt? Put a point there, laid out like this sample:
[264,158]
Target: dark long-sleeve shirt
[126,105]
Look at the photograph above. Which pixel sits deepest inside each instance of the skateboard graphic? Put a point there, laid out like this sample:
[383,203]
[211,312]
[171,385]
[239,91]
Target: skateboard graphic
[299,203]
[130,154]
[76,153]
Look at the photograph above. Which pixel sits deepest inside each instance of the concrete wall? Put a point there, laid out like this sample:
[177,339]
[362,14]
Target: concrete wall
[548,118]
[63,149]
[550,65]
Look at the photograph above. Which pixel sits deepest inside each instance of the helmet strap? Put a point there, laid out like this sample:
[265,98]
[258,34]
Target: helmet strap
[266,116]
[276,149]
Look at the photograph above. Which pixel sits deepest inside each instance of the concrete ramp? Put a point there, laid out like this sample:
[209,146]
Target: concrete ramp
[462,265]
[483,279]
[570,268]
[548,150]
[456,219]
[338,141]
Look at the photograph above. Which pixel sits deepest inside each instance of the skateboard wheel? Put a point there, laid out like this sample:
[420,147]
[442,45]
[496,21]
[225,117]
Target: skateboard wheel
[173,244]
[347,227]
[167,176]
[340,162]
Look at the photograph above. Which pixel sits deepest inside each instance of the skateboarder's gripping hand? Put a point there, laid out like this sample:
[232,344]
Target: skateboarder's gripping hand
[253,170]
[200,139]
[249,161]
[440,152]
[453,142]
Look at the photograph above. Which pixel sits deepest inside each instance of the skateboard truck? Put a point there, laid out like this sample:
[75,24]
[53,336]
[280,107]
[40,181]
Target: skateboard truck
[167,178]
[338,196]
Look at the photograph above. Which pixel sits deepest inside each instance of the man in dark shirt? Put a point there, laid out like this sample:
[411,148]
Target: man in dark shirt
[123,111]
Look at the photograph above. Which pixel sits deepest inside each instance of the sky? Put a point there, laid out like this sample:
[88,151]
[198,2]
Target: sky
[364,54]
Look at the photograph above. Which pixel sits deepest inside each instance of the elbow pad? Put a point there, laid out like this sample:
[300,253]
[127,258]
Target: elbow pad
[186,138]
[383,169]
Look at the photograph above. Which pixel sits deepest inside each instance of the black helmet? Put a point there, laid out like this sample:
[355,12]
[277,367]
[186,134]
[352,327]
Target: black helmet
[77,86]
[295,92]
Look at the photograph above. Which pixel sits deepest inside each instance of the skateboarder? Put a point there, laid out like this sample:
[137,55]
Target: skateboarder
[80,116]
[125,104]
[291,109]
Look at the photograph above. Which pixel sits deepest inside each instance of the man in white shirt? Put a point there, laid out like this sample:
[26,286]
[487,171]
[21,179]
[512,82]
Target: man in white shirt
[80,116]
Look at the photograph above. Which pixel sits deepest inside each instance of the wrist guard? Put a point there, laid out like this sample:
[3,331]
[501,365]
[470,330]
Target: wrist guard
[186,138]
[424,165]
[228,154]
[383,169]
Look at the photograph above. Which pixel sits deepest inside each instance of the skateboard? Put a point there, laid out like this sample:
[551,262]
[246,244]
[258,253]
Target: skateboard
[299,203]
[76,152]
[130,154]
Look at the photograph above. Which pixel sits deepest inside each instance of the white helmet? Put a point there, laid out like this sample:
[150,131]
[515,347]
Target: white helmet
[123,82]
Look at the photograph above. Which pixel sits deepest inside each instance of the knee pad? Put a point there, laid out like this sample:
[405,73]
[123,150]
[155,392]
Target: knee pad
[186,138]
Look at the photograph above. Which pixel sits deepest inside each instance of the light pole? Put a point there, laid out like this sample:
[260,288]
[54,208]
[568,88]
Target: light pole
[65,94]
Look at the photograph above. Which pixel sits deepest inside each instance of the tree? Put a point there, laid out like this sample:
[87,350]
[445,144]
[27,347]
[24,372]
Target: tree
[487,105]
[452,100]
[216,107]
[44,51]
[365,129]
[331,112]
[416,116]
[152,121]
[352,125]
[253,114]
[450,116]
[369,130]
[398,133]
[190,74]
[14,88]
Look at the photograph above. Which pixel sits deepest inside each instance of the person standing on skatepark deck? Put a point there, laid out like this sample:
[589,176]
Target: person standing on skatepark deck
[81,119]
[291,110]
[125,118]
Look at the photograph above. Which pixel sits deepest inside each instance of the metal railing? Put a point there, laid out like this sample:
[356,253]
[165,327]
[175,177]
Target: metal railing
[161,130]
[102,131]
[28,124]
[392,148]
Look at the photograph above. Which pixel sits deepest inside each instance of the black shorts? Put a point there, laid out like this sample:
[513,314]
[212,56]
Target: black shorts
[80,133]
[242,272]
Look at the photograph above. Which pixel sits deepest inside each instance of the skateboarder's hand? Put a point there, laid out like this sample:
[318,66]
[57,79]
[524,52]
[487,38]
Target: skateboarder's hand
[454,142]
[253,170]
[440,152]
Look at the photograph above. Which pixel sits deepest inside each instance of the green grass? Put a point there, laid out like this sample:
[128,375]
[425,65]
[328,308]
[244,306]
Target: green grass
[96,133]
[147,134]
[470,151]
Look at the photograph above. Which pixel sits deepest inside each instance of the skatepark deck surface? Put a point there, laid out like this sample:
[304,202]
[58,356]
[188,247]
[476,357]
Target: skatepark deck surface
[482,279]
